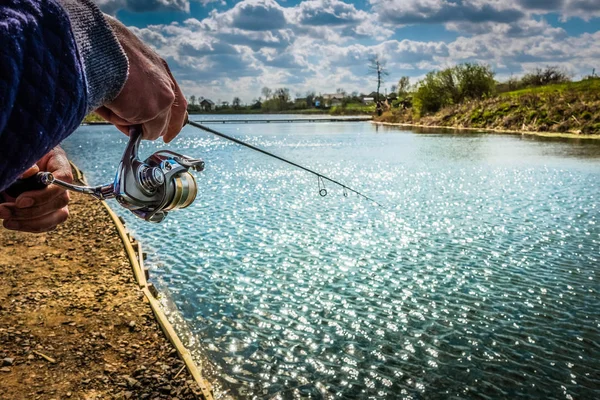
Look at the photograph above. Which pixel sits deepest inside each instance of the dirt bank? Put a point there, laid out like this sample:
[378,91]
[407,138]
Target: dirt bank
[73,323]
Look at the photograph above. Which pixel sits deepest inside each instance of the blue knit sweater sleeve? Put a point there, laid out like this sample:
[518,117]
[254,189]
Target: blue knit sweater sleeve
[47,83]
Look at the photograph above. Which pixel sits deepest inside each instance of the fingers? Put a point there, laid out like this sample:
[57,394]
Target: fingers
[57,163]
[13,211]
[41,210]
[178,111]
[152,128]
[114,119]
[30,172]
[156,128]
[42,224]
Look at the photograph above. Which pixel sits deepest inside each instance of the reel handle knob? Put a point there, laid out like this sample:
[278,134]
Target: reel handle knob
[34,182]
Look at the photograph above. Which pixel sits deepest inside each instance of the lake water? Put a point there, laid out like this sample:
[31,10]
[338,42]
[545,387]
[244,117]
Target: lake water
[479,277]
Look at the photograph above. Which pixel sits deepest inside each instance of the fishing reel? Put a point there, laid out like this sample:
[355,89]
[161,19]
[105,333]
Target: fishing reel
[150,189]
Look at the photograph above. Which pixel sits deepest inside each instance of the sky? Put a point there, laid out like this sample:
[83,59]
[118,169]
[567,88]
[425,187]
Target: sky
[219,49]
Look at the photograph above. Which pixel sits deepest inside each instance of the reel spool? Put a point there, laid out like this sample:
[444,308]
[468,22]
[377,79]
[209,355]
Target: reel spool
[184,192]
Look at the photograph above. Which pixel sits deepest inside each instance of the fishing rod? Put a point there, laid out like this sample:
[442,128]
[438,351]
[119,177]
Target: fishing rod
[152,188]
[320,177]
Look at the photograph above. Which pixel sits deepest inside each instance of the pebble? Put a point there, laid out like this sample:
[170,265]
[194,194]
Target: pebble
[106,338]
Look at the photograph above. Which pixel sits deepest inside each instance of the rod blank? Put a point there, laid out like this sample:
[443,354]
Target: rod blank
[320,176]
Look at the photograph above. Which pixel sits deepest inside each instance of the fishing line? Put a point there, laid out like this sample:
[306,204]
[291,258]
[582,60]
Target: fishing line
[320,177]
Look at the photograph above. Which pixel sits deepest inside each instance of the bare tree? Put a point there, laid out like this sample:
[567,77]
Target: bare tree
[236,102]
[193,100]
[283,96]
[266,92]
[377,68]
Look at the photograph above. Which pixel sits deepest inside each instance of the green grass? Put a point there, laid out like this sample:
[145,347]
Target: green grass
[587,85]
[93,118]
[353,109]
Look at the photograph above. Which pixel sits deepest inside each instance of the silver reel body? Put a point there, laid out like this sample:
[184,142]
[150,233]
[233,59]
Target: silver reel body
[150,188]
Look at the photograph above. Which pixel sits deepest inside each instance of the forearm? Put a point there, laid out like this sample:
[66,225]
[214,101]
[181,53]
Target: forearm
[57,62]
[104,62]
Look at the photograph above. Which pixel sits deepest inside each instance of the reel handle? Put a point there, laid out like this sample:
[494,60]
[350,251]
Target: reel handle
[34,182]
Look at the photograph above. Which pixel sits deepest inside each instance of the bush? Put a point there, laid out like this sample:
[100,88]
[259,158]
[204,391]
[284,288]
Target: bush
[543,77]
[453,86]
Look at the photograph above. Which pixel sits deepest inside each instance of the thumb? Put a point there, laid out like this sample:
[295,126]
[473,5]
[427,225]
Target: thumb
[30,172]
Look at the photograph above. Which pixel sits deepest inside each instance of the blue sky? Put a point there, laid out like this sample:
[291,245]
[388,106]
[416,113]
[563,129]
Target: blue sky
[223,48]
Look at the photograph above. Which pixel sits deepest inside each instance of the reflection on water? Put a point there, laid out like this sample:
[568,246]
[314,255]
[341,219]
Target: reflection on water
[479,279]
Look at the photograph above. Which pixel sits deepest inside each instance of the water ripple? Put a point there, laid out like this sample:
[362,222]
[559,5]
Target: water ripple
[478,280]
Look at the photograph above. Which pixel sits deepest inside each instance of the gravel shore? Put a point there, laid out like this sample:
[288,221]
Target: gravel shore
[73,323]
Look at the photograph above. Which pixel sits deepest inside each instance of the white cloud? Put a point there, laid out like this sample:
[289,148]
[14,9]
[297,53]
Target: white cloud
[404,12]
[325,44]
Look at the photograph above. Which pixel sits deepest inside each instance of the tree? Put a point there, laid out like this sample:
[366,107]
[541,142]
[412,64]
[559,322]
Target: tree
[266,92]
[403,86]
[310,98]
[549,75]
[256,104]
[474,81]
[283,97]
[377,68]
[236,102]
[193,100]
[430,96]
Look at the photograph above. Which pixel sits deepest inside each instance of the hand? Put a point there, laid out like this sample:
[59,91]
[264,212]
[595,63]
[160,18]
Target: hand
[150,97]
[41,210]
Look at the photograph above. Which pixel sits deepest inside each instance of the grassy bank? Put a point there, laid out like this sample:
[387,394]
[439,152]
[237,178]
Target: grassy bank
[93,118]
[353,109]
[572,107]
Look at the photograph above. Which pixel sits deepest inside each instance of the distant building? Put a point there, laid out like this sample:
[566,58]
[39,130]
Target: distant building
[207,105]
[333,99]
[368,100]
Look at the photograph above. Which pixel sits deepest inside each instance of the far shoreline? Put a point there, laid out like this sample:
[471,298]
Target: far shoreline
[491,130]
[563,135]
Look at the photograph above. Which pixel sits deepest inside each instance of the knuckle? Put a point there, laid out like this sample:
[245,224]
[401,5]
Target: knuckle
[167,98]
[62,202]
[68,176]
